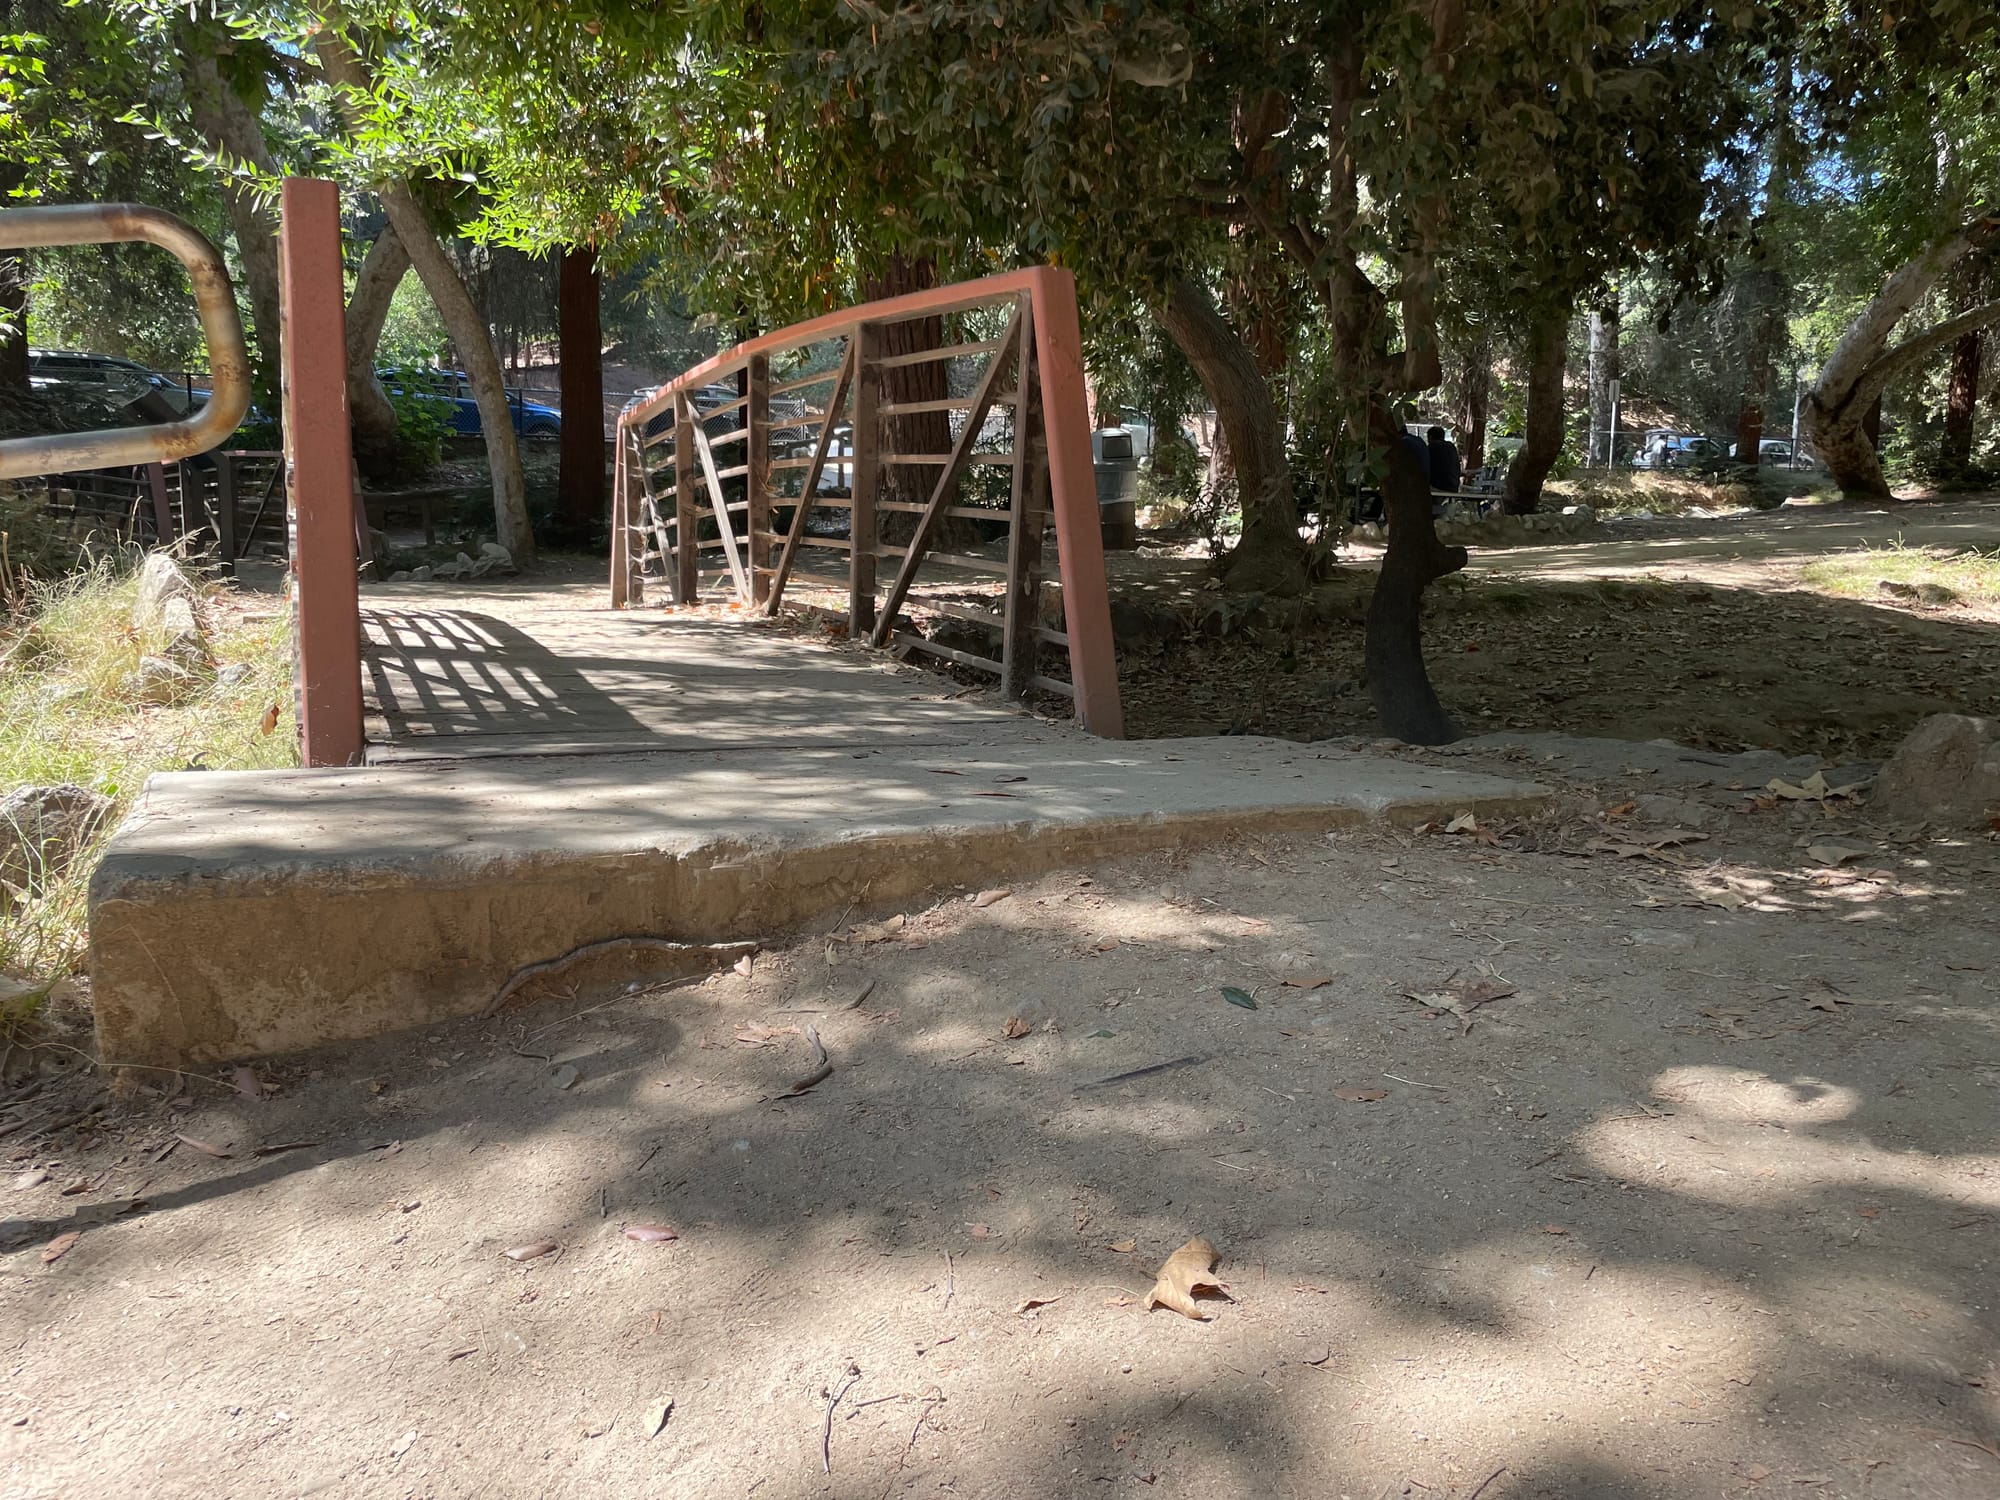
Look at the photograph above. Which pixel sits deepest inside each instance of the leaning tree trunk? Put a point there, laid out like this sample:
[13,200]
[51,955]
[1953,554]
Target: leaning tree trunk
[378,439]
[469,333]
[1961,403]
[1398,682]
[1270,556]
[232,129]
[1548,357]
[1863,365]
[579,314]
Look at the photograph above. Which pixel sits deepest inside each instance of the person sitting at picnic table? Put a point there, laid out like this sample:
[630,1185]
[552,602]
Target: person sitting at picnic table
[1442,460]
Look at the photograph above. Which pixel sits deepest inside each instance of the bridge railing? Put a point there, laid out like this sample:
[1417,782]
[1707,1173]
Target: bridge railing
[934,444]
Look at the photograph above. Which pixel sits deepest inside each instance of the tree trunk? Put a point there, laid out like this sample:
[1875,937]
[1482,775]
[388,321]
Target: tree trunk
[1862,364]
[1270,556]
[914,432]
[14,323]
[233,129]
[378,441]
[1871,423]
[461,318]
[1405,701]
[1603,371]
[1548,357]
[580,491]
[1475,397]
[1961,402]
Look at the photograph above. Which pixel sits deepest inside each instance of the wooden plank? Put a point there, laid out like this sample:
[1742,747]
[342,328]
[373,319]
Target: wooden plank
[964,612]
[933,460]
[807,499]
[719,508]
[621,531]
[944,403]
[1052,685]
[867,439]
[1024,531]
[949,559]
[947,482]
[950,653]
[687,573]
[943,351]
[803,382]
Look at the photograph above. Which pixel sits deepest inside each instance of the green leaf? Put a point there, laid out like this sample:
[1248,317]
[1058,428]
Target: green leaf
[1103,1031]
[1238,997]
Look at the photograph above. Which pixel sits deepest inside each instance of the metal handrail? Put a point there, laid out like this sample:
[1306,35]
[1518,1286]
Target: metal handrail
[215,301]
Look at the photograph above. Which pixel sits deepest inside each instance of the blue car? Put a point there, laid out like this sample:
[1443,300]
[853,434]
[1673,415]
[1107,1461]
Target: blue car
[532,420]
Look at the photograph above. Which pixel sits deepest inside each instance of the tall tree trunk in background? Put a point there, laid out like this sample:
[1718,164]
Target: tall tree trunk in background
[579,314]
[1548,358]
[1847,397]
[915,432]
[232,128]
[455,306]
[1270,556]
[1603,370]
[378,441]
[1475,397]
[1763,295]
[1405,701]
[1961,403]
[14,318]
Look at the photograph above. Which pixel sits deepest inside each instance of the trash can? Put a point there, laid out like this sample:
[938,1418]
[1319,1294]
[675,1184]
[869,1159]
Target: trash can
[1117,488]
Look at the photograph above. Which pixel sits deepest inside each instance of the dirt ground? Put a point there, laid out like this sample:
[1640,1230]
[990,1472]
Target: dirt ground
[1706,1206]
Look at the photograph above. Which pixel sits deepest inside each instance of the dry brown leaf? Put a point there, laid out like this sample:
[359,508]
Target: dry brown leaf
[1309,982]
[269,722]
[1361,1096]
[757,1034]
[1188,1270]
[1029,1304]
[1554,1229]
[980,1231]
[1107,945]
[656,1419]
[651,1234]
[743,966]
[533,1251]
[880,932]
[245,1082]
[1016,1028]
[990,898]
[1465,822]
[222,1152]
[60,1246]
[1123,1247]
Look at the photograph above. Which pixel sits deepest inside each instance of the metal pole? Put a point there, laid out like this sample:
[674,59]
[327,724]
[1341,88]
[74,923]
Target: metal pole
[325,593]
[1797,390]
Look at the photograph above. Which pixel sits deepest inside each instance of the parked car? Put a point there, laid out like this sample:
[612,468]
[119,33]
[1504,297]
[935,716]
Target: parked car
[117,381]
[1666,449]
[532,420]
[1777,453]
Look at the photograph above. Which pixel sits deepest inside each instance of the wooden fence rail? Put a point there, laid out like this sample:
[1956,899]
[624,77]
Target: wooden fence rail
[815,437]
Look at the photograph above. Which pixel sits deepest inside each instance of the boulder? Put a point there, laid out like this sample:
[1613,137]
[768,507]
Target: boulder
[1946,773]
[492,558]
[158,682]
[43,827]
[160,579]
[183,643]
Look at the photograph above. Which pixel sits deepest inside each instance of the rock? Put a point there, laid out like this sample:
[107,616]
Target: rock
[17,996]
[492,558]
[1582,515]
[1679,811]
[1946,773]
[185,645]
[494,549]
[232,674]
[160,579]
[422,575]
[402,577]
[158,682]
[43,827]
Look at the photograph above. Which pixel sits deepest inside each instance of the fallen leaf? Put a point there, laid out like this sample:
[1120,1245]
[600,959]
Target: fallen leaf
[656,1418]
[278,1147]
[743,966]
[1015,1028]
[565,1077]
[1835,854]
[269,722]
[757,1034]
[1622,810]
[980,1231]
[533,1251]
[990,898]
[1123,1247]
[1322,1359]
[599,1428]
[222,1152]
[1361,1096]
[651,1234]
[1238,997]
[1465,822]
[1102,1031]
[1312,982]
[1124,1440]
[32,1178]
[1187,1271]
[245,1083]
[1031,1303]
[1869,1213]
[1756,1473]
[60,1246]
[1010,778]
[1554,1229]
[1463,996]
[880,932]
[1107,945]
[402,1444]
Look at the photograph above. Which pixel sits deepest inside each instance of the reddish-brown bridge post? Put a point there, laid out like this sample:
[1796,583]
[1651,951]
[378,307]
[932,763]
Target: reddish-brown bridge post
[325,590]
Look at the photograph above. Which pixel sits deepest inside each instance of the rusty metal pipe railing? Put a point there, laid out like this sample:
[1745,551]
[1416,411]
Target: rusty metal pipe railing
[215,301]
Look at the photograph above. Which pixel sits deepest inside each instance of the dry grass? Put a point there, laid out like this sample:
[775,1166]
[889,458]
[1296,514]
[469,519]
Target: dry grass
[1648,492]
[64,717]
[1938,576]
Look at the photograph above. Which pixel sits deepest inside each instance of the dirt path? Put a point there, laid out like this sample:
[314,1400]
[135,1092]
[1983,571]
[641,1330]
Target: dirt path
[1706,1207]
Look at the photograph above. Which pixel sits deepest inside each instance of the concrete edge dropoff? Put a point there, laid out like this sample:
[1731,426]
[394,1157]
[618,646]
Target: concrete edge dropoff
[315,924]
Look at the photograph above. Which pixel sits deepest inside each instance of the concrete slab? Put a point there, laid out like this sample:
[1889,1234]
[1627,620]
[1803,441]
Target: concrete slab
[239,914]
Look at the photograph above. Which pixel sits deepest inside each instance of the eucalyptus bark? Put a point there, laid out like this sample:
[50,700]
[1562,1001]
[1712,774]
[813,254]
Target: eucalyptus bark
[232,129]
[1863,364]
[1603,371]
[1548,358]
[580,492]
[468,330]
[378,441]
[1398,682]
[1270,556]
